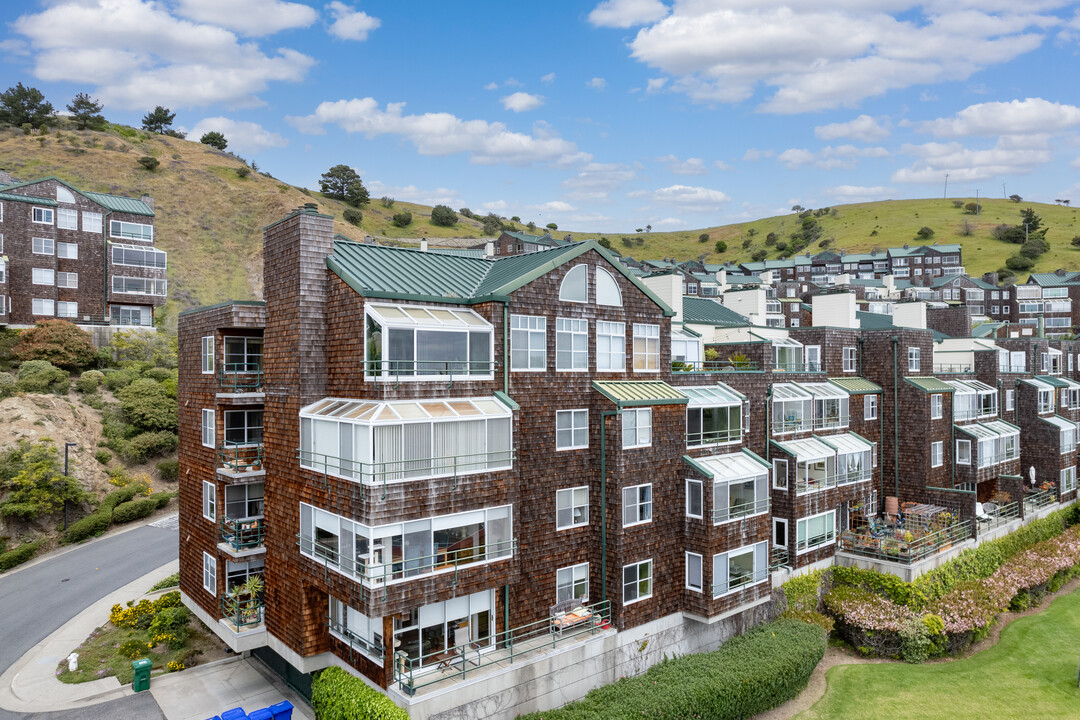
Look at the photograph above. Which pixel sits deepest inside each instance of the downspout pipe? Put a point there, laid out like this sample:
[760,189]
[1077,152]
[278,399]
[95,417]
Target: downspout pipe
[603,498]
[506,347]
[768,427]
[896,418]
[105,267]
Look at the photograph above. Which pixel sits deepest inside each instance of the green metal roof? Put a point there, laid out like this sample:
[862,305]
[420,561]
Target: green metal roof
[116,203]
[1053,279]
[632,393]
[874,321]
[28,199]
[929,384]
[986,329]
[507,400]
[701,311]
[856,385]
[406,273]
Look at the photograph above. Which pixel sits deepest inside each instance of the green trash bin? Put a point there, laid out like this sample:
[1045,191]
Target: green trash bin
[142,674]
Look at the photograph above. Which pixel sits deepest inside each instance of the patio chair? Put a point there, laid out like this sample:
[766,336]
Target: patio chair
[980,514]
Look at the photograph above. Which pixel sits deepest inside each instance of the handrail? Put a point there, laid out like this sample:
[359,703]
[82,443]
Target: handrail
[405,568]
[735,512]
[435,369]
[1040,499]
[345,635]
[243,534]
[394,470]
[846,477]
[714,437]
[817,540]
[242,613]
[498,648]
[241,457]
[710,366]
[750,578]
[1000,515]
[804,367]
[240,377]
[898,550]
[778,558]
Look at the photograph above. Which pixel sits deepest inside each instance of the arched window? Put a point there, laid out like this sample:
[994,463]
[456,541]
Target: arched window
[607,290]
[64,195]
[575,286]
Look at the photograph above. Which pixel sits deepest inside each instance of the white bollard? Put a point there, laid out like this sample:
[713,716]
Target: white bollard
[73,662]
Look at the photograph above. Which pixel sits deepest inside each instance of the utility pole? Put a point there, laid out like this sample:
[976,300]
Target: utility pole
[978,208]
[946,193]
[1025,232]
[1003,195]
[66,446]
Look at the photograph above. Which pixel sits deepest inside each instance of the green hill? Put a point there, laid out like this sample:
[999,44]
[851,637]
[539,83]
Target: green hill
[210,219]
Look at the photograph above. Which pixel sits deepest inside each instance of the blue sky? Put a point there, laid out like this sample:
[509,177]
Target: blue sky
[598,116]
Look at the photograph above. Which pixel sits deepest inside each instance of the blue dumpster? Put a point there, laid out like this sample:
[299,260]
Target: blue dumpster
[261,714]
[216,717]
[282,710]
[234,714]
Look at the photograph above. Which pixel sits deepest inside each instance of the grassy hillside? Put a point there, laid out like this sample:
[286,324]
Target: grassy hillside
[210,219]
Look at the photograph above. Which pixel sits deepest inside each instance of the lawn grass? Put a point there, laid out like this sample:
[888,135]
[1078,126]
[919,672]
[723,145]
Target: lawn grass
[1030,673]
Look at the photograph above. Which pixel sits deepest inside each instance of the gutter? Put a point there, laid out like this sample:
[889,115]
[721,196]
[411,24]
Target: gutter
[506,347]
[105,266]
[896,420]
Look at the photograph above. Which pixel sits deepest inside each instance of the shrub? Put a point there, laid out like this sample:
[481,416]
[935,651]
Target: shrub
[1020,263]
[159,374]
[915,641]
[149,162]
[759,255]
[34,483]
[89,381]
[721,246]
[170,620]
[337,695]
[443,216]
[141,345]
[169,470]
[243,171]
[133,510]
[117,497]
[703,237]
[802,592]
[41,376]
[146,445]
[387,202]
[749,674]
[958,203]
[19,555]
[161,498]
[353,217]
[971,207]
[86,527]
[103,456]
[116,379]
[171,581]
[925,232]
[134,649]
[402,219]
[58,341]
[147,406]
[7,384]
[1034,247]
[770,239]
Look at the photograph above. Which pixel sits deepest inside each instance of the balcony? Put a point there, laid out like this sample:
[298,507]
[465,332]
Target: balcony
[236,378]
[740,511]
[1036,501]
[739,581]
[797,367]
[429,370]
[241,461]
[778,558]
[242,538]
[241,613]
[712,366]
[381,473]
[953,368]
[952,270]
[714,437]
[900,546]
[824,482]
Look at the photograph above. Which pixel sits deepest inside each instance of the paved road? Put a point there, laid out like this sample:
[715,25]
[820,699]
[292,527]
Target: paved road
[38,600]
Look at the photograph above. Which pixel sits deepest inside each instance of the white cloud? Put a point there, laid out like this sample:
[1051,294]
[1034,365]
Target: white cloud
[863,128]
[495,206]
[690,166]
[548,79]
[686,197]
[721,165]
[350,23]
[597,83]
[1033,115]
[553,206]
[411,193]
[669,222]
[655,85]
[859,193]
[139,55]
[487,143]
[595,181]
[1075,163]
[1011,155]
[927,97]
[522,102]
[829,157]
[627,13]
[492,86]
[243,136]
[248,17]
[835,52]
[753,154]
[513,82]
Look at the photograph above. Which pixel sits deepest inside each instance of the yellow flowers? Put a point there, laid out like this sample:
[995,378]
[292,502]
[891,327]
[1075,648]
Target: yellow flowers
[175,665]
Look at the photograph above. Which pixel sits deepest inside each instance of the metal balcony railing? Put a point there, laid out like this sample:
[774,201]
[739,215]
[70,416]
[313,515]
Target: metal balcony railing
[243,534]
[741,510]
[429,369]
[239,457]
[242,613]
[353,640]
[381,473]
[1038,500]
[711,366]
[714,437]
[740,580]
[809,485]
[905,551]
[816,541]
[795,367]
[240,377]
[778,558]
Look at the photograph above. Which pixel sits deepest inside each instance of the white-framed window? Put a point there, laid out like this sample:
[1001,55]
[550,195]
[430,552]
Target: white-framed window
[209,573]
[963,452]
[794,322]
[571,429]
[42,306]
[937,453]
[815,531]
[572,582]
[740,568]
[243,427]
[575,285]
[637,504]
[610,346]
[91,222]
[44,276]
[67,251]
[357,629]
[139,286]
[636,428]
[208,434]
[139,256]
[937,405]
[812,353]
[694,499]
[849,359]
[42,216]
[528,342]
[913,359]
[131,315]
[1068,479]
[243,502]
[780,532]
[209,501]
[1010,399]
[208,354]
[43,246]
[637,581]
[646,347]
[1046,400]
[130,230]
[413,342]
[571,344]
[67,279]
[607,290]
[572,507]
[67,219]
[694,580]
[870,407]
[779,474]
[67,309]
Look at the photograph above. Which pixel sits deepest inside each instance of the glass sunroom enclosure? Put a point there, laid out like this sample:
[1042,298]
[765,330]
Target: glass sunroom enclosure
[995,442]
[715,415]
[740,484]
[822,463]
[973,399]
[808,406]
[410,342]
[376,442]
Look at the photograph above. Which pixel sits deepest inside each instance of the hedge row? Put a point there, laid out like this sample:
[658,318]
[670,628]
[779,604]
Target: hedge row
[133,510]
[337,695]
[19,555]
[119,506]
[87,527]
[749,674]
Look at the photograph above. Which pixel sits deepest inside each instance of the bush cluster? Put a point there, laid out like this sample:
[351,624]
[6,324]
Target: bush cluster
[89,381]
[41,376]
[337,695]
[7,384]
[140,615]
[19,555]
[169,470]
[749,674]
[133,510]
[58,342]
[87,527]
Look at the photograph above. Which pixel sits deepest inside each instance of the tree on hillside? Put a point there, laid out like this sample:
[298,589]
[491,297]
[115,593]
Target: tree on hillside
[343,183]
[1033,223]
[648,228]
[86,112]
[492,224]
[57,341]
[21,105]
[215,140]
[443,216]
[703,237]
[797,208]
[1015,198]
[158,120]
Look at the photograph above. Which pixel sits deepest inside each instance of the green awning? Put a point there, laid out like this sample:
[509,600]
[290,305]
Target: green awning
[930,384]
[630,393]
[856,385]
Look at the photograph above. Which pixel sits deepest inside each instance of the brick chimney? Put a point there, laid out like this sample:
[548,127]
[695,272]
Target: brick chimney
[147,200]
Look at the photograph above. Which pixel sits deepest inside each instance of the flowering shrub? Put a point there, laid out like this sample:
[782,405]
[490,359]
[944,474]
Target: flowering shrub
[142,614]
[174,665]
[134,649]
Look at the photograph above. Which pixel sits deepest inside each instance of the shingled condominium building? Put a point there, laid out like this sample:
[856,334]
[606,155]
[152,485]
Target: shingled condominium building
[472,480]
[84,256]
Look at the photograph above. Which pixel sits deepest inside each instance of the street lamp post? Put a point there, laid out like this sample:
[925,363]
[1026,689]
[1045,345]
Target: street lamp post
[66,446]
